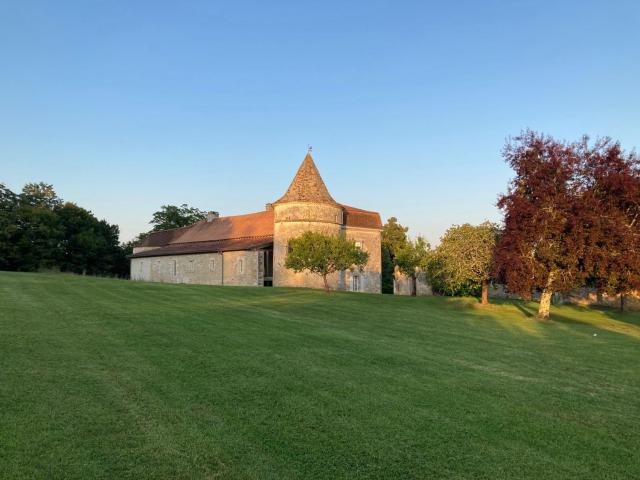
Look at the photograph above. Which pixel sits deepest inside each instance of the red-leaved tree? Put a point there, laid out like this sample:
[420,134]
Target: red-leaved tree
[572,213]
[611,206]
[541,246]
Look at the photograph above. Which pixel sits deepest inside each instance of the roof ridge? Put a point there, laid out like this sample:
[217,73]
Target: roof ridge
[358,209]
[174,228]
[221,239]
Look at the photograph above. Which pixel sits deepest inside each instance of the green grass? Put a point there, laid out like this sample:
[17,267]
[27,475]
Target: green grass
[105,378]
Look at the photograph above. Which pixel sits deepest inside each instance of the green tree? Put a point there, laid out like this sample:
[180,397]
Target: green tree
[171,216]
[394,237]
[387,270]
[464,259]
[39,231]
[90,246]
[323,255]
[36,234]
[413,257]
[8,223]
[40,195]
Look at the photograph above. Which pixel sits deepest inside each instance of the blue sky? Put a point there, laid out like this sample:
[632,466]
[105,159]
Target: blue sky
[125,106]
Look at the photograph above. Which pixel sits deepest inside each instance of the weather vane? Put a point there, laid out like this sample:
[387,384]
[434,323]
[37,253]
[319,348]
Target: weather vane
[309,148]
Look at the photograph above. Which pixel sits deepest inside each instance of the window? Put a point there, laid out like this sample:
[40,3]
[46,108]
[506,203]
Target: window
[174,268]
[359,245]
[355,283]
[212,264]
[240,266]
[191,266]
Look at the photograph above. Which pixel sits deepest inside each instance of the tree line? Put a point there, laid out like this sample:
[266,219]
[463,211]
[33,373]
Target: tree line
[40,231]
[571,219]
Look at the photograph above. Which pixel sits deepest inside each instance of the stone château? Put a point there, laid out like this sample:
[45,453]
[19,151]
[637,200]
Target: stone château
[251,249]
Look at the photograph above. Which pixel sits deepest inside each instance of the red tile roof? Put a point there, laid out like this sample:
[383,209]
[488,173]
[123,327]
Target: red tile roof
[238,232]
[162,237]
[249,225]
[356,217]
[228,245]
[238,226]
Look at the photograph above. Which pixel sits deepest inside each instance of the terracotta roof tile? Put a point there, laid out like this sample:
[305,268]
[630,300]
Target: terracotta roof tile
[227,245]
[307,185]
[249,225]
[162,237]
[356,217]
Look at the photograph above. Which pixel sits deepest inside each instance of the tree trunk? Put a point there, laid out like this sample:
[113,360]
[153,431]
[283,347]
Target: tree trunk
[485,293]
[414,286]
[545,304]
[545,298]
[326,284]
[623,302]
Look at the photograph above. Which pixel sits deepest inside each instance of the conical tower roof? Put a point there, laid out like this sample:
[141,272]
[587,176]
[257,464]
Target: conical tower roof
[307,185]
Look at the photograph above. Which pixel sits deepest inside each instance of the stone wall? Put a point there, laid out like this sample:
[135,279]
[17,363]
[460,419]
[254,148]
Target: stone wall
[228,268]
[590,296]
[141,269]
[294,219]
[577,296]
[241,268]
[371,278]
[402,284]
[498,290]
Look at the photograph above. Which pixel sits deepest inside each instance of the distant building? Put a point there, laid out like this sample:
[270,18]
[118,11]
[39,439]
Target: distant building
[251,249]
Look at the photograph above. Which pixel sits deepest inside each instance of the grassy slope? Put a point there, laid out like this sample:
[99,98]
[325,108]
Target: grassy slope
[105,378]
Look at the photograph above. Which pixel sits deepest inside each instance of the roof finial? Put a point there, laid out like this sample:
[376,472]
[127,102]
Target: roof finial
[309,148]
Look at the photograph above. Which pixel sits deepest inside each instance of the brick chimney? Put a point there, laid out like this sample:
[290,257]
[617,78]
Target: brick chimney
[211,216]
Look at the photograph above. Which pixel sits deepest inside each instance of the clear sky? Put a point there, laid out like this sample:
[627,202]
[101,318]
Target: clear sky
[125,106]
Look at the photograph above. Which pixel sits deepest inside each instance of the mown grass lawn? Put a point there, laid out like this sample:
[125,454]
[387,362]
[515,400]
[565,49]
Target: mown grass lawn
[105,378]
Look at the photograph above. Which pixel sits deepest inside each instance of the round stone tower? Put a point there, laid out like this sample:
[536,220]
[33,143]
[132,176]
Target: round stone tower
[306,206]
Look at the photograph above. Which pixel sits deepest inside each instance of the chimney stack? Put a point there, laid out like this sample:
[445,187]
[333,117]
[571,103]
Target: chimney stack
[211,216]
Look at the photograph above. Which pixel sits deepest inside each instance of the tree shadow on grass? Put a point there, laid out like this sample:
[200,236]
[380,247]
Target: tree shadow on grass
[569,317]
[527,312]
[630,317]
[600,318]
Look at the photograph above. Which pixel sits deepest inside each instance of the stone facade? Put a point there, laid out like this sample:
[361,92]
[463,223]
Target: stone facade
[227,268]
[251,249]
[403,285]
[370,279]
[292,220]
